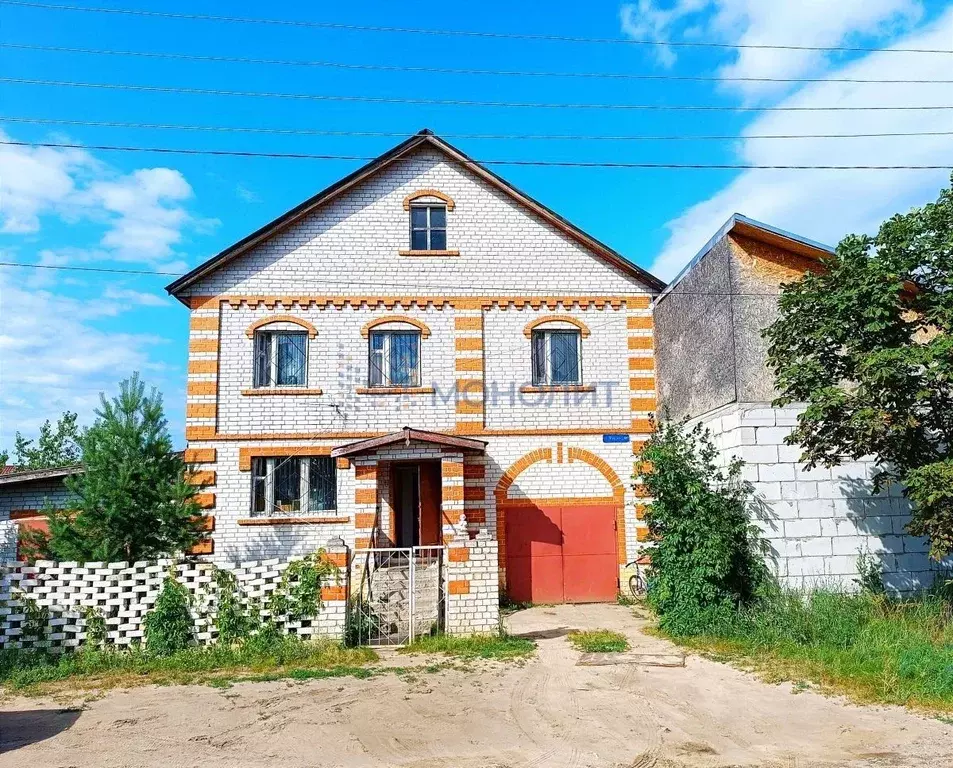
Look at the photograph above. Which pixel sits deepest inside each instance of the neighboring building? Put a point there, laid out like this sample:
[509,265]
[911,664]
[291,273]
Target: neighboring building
[421,353]
[712,368]
[23,495]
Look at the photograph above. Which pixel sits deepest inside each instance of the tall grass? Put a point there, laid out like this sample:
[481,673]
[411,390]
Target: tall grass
[264,657]
[864,645]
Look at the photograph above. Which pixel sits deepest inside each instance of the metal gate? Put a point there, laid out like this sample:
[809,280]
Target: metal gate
[395,596]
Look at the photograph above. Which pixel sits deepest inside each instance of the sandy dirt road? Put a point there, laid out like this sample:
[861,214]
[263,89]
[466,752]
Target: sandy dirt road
[547,712]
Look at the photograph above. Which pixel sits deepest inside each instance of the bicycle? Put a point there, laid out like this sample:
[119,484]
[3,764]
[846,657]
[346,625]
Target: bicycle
[637,580]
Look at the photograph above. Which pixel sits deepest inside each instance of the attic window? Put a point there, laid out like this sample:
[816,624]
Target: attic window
[428,227]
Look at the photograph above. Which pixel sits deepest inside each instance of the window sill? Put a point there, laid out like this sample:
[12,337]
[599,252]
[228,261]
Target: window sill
[558,388]
[282,391]
[429,253]
[395,390]
[293,520]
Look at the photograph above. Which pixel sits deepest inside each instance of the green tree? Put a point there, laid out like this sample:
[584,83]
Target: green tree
[707,555]
[132,502]
[866,344]
[54,447]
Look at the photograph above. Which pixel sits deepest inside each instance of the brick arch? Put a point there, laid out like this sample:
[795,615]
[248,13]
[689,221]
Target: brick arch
[583,328]
[546,454]
[312,331]
[419,325]
[428,193]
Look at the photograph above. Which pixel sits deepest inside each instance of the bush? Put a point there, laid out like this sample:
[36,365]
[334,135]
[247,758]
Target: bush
[169,625]
[707,557]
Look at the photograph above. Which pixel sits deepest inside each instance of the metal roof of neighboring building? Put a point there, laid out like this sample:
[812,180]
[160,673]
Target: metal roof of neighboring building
[29,475]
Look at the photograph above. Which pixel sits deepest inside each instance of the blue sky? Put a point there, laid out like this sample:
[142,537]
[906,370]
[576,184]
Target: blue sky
[66,336]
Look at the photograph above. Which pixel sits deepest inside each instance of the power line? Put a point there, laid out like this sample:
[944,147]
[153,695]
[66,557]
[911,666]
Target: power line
[540,163]
[463,102]
[488,136]
[452,70]
[461,32]
[364,283]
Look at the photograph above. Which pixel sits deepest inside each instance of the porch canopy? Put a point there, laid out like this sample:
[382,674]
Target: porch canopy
[406,436]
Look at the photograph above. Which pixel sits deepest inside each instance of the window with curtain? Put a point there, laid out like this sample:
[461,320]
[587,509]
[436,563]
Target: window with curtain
[394,359]
[428,227]
[281,359]
[284,484]
[556,357]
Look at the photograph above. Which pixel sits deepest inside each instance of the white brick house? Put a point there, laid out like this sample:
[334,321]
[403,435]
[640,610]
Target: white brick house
[423,292]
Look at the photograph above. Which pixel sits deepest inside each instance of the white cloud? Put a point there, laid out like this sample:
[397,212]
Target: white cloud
[144,210]
[826,205]
[756,22]
[140,298]
[56,359]
[34,181]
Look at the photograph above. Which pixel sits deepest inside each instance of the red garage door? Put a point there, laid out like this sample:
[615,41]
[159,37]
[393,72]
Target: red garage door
[561,554]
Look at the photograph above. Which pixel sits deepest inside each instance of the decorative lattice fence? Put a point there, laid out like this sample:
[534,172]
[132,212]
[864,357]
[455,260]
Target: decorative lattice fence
[53,605]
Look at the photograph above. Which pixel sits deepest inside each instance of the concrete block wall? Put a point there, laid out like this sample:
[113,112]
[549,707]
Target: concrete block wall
[817,521]
[123,594]
[473,586]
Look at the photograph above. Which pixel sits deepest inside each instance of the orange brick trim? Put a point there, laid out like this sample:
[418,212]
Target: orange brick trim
[204,477]
[452,468]
[639,323]
[452,516]
[452,493]
[446,252]
[331,594]
[364,520]
[642,534]
[640,342]
[245,455]
[474,493]
[338,559]
[642,403]
[640,510]
[207,522]
[204,547]
[458,302]
[643,384]
[422,327]
[293,520]
[201,433]
[365,495]
[429,193]
[362,543]
[203,366]
[469,428]
[474,471]
[458,554]
[458,587]
[464,323]
[468,344]
[643,426]
[470,407]
[342,463]
[469,364]
[282,391]
[394,390]
[203,302]
[641,363]
[205,500]
[557,501]
[202,323]
[250,330]
[365,472]
[469,386]
[641,491]
[201,388]
[208,433]
[200,410]
[203,345]
[194,455]
[530,327]
[600,464]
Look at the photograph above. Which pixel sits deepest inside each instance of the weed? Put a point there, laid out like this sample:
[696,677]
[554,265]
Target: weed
[598,641]
[502,647]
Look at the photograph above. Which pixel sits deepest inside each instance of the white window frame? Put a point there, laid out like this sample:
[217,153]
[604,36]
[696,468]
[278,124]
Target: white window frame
[547,334]
[273,359]
[384,368]
[429,228]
